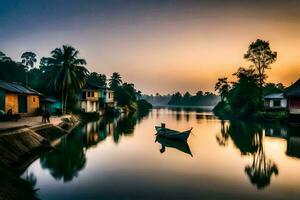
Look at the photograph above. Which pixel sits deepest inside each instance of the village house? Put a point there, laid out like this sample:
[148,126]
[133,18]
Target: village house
[18,98]
[275,101]
[106,98]
[95,98]
[292,94]
[89,100]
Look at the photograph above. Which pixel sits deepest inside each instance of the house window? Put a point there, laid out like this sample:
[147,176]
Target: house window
[276,103]
[109,95]
[92,95]
[83,95]
[104,93]
[33,99]
[89,94]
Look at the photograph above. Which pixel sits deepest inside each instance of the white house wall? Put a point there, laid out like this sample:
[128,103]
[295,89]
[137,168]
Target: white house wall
[283,103]
[89,106]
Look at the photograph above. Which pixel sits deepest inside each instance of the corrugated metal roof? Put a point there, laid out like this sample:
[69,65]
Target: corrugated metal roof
[17,88]
[274,96]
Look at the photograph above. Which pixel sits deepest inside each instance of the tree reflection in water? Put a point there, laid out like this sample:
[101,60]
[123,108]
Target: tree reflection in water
[248,138]
[222,137]
[69,158]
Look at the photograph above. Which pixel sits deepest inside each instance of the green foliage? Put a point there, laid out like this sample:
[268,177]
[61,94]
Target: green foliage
[242,98]
[98,79]
[274,116]
[62,76]
[12,71]
[65,72]
[115,81]
[270,88]
[28,59]
[3,57]
[143,106]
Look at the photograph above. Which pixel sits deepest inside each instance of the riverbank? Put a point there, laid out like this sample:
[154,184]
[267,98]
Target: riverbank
[21,144]
[225,112]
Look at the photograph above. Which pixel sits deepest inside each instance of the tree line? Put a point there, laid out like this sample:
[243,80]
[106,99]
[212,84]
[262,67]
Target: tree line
[62,75]
[199,99]
[243,98]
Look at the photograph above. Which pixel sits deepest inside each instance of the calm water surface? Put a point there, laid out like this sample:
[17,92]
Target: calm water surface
[122,159]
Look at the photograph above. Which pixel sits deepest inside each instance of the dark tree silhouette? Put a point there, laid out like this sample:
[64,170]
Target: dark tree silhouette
[223,136]
[99,79]
[67,159]
[261,55]
[115,81]
[248,138]
[3,57]
[262,168]
[66,72]
[222,86]
[28,59]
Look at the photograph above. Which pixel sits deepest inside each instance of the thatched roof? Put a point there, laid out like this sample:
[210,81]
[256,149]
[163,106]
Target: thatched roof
[293,90]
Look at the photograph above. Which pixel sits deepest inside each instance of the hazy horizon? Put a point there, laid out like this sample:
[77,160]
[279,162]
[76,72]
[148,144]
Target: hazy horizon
[160,46]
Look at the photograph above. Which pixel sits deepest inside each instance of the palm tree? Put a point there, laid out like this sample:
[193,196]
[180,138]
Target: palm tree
[28,59]
[66,72]
[115,80]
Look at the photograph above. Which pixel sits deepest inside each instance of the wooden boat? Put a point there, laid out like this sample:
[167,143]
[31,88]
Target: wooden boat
[172,134]
[180,145]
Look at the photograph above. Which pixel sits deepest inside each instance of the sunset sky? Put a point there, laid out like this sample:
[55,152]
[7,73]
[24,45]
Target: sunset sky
[160,46]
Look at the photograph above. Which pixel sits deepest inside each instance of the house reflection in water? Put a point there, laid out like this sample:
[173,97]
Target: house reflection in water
[276,131]
[95,132]
[290,133]
[293,141]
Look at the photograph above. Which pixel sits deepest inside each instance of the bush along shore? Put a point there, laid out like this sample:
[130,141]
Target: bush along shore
[20,147]
[243,98]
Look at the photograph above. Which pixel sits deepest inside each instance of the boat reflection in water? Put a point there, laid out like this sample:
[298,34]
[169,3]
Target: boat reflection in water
[181,145]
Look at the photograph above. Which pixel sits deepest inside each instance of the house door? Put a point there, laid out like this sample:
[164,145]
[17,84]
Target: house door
[2,100]
[22,104]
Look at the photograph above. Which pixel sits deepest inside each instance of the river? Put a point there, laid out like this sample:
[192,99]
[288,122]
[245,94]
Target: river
[121,158]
